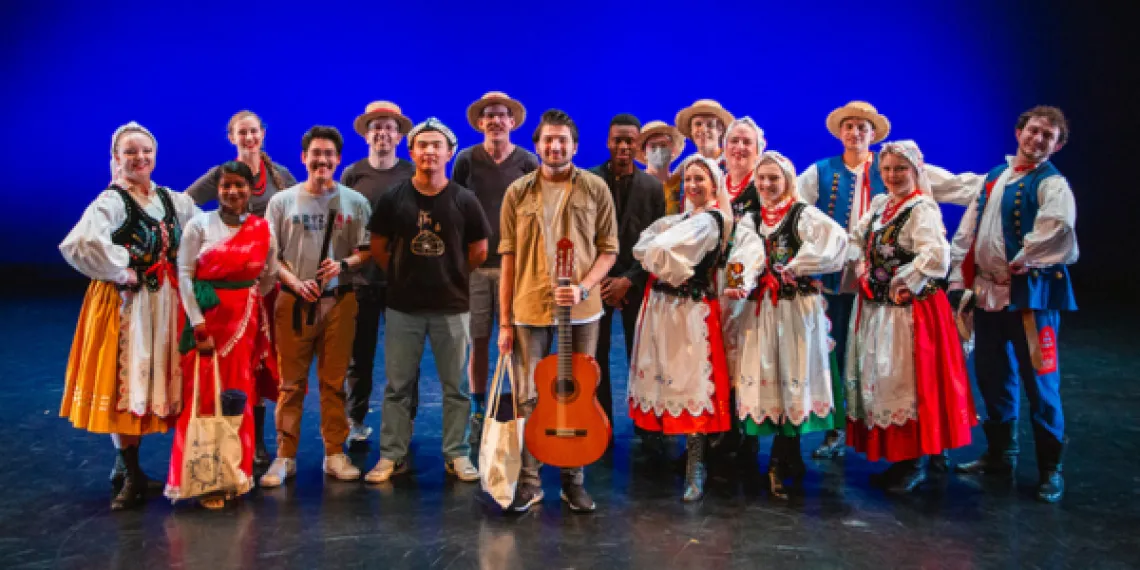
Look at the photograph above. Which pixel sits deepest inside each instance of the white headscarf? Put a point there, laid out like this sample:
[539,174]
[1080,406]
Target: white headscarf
[786,167]
[909,150]
[748,122]
[131,127]
[723,202]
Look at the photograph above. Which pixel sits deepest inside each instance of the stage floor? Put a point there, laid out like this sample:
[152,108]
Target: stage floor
[54,511]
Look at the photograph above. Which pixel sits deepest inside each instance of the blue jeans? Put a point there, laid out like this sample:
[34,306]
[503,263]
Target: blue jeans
[404,336]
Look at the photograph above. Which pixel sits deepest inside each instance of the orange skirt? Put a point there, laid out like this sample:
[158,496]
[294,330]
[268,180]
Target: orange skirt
[92,386]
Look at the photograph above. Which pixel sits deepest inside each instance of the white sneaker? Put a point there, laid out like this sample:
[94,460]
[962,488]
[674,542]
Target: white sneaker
[462,468]
[384,470]
[281,469]
[341,467]
[358,432]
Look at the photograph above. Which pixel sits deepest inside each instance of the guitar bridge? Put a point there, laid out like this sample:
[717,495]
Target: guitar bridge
[566,432]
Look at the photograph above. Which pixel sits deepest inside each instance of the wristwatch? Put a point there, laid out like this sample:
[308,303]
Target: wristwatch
[343,265]
[585,292]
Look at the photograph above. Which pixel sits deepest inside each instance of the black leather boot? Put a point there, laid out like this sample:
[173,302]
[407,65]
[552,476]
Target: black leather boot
[911,474]
[794,459]
[119,476]
[695,468]
[1051,486]
[1000,458]
[777,468]
[133,492]
[261,457]
[834,445]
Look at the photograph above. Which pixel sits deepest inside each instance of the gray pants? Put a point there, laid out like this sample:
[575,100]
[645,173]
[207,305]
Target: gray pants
[404,336]
[532,344]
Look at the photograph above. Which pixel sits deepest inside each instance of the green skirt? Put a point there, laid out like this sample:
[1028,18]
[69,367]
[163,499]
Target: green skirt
[814,423]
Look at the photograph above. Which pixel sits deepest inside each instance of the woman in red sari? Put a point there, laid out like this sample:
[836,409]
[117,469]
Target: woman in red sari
[228,261]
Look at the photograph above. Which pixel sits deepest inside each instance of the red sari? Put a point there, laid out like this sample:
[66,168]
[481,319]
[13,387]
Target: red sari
[238,325]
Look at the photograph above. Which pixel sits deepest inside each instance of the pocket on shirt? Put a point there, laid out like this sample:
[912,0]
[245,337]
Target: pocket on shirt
[583,211]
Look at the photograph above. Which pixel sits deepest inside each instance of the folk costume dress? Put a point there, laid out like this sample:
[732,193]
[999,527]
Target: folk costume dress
[678,382]
[907,388]
[223,272]
[122,374]
[783,380]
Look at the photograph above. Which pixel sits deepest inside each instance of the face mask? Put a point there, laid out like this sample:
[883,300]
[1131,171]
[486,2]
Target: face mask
[659,157]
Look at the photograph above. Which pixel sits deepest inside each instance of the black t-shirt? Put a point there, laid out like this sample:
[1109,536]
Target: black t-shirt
[371,183]
[428,238]
[476,170]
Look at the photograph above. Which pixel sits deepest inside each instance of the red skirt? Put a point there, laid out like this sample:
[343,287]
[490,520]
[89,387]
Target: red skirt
[945,406]
[709,422]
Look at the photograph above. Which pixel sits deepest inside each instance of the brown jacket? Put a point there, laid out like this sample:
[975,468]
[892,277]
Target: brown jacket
[587,212]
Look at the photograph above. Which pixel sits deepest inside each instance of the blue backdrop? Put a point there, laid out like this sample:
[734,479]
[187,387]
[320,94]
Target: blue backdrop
[940,70]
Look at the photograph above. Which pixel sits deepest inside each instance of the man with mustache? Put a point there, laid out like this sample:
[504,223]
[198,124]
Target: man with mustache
[557,200]
[1013,249]
[315,314]
[486,169]
[382,125]
[429,233]
[638,201]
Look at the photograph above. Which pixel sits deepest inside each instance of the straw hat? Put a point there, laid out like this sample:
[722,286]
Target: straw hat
[859,110]
[475,110]
[658,128]
[377,109]
[702,107]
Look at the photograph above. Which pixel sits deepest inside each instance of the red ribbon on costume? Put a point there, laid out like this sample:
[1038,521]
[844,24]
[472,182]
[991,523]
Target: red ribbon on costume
[163,271]
[865,190]
[892,209]
[1023,168]
[768,282]
[969,271]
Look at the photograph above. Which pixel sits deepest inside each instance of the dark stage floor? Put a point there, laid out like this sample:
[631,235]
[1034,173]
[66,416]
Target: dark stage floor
[54,511]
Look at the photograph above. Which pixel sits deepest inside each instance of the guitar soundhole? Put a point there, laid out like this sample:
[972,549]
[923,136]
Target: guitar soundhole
[566,390]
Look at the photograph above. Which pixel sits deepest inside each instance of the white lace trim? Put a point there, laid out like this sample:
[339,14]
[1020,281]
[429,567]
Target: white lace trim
[675,407]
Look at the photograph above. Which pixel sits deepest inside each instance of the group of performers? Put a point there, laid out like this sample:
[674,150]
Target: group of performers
[756,301]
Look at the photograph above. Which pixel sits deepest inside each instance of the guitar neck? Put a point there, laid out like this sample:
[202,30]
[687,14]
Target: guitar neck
[565,337]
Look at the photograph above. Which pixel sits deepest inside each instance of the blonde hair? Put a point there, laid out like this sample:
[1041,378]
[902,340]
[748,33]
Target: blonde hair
[273,174]
[786,168]
[123,130]
[723,202]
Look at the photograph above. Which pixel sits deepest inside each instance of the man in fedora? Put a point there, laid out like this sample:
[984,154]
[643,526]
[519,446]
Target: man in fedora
[658,145]
[704,123]
[638,201]
[382,125]
[487,169]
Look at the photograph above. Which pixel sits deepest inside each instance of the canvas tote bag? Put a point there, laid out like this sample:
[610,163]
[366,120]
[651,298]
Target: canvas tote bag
[500,454]
[211,454]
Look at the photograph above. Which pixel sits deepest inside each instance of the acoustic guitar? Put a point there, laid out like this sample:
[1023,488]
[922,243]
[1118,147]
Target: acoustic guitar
[568,427]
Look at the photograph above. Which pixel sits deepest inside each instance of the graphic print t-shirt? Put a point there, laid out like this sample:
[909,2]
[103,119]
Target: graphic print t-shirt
[299,218]
[427,239]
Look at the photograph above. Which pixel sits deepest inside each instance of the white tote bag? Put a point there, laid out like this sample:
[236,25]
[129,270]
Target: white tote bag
[211,454]
[500,454]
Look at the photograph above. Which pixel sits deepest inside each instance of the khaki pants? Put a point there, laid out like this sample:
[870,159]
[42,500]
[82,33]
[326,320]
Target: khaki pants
[329,338]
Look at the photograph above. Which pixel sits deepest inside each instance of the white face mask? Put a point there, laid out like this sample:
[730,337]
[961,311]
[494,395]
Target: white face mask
[659,157]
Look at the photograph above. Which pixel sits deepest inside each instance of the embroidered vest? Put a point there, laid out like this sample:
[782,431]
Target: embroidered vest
[701,285]
[837,195]
[885,255]
[148,241]
[780,247]
[1043,288]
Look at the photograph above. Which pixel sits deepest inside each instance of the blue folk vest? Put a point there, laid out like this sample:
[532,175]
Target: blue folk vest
[1043,288]
[837,194]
